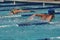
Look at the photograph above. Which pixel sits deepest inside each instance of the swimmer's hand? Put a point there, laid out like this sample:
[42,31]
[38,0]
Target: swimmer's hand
[10,13]
[32,17]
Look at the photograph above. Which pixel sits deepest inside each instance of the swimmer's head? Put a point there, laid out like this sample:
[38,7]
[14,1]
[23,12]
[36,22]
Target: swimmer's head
[51,11]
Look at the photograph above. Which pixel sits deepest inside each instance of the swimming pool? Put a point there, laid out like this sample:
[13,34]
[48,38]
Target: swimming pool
[8,5]
[10,31]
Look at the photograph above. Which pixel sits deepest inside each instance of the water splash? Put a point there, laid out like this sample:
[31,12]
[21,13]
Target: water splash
[3,26]
[10,16]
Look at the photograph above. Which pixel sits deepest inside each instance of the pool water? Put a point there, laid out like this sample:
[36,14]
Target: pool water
[9,7]
[10,31]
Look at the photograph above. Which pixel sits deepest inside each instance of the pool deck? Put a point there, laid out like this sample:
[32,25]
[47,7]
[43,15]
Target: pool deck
[35,1]
[57,2]
[54,2]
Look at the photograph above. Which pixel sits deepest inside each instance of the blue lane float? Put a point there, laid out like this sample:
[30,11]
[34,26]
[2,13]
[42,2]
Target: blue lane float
[42,8]
[57,13]
[44,39]
[21,2]
[37,23]
[29,8]
[28,3]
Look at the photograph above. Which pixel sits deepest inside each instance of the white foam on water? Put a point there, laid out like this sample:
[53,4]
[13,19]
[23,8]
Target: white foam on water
[10,16]
[54,22]
[55,38]
[3,26]
[16,25]
[57,24]
[57,11]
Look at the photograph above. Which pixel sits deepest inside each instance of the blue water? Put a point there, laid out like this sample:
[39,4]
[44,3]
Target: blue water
[4,6]
[10,31]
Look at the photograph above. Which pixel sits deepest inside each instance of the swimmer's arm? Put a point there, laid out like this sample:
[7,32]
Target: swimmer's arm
[29,10]
[24,10]
[39,14]
[50,18]
[31,17]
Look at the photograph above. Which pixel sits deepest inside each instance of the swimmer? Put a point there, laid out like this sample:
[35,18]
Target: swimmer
[16,11]
[48,17]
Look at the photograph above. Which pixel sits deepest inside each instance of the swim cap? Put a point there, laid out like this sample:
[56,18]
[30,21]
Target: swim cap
[51,11]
